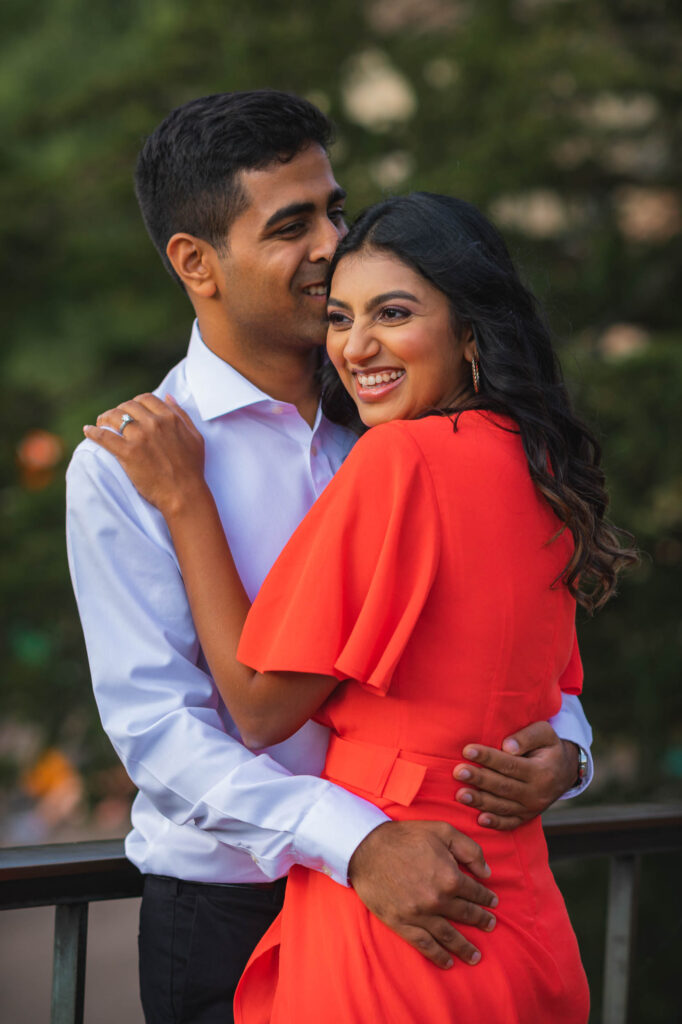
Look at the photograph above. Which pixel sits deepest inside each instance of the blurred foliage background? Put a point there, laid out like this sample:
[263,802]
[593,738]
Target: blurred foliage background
[560,118]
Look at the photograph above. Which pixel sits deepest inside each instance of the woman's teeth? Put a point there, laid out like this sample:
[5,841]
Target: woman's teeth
[315,289]
[372,379]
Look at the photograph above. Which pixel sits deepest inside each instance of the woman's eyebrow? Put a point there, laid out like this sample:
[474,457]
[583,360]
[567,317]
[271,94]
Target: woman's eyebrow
[386,297]
[376,301]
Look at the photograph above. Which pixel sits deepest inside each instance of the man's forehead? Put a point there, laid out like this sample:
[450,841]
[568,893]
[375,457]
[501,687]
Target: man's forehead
[307,177]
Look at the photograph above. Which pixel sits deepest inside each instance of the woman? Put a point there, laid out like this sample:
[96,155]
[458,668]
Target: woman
[432,585]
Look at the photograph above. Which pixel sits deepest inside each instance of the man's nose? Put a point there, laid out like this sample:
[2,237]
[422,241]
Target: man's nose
[325,240]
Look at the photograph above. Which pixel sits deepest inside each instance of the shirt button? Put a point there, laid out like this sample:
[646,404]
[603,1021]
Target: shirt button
[327,871]
[278,409]
[313,449]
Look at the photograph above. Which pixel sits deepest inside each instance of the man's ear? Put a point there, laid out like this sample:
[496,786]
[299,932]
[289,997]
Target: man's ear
[195,262]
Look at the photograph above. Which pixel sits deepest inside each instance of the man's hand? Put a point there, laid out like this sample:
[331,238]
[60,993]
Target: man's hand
[407,874]
[513,785]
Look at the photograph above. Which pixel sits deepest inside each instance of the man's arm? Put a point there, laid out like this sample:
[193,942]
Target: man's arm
[160,708]
[536,766]
[164,718]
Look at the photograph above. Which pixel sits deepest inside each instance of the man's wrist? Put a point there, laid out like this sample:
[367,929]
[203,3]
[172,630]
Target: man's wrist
[572,764]
[580,772]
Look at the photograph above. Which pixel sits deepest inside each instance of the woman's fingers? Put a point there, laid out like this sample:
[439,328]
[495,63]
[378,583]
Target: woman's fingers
[158,446]
[146,410]
[113,418]
[109,439]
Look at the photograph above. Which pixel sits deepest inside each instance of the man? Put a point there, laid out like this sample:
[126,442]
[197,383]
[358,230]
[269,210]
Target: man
[239,197]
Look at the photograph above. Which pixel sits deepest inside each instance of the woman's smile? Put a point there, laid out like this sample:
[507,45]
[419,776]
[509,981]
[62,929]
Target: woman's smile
[374,383]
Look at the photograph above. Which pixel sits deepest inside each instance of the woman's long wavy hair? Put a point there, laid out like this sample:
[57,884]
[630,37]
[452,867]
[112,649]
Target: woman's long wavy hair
[451,244]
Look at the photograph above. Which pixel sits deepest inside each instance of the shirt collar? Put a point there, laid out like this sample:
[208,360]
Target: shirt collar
[216,386]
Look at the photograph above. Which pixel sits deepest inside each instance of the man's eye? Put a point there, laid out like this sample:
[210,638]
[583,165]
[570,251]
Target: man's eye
[337,216]
[291,229]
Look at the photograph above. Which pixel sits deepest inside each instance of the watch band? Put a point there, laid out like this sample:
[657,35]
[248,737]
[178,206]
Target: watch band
[582,768]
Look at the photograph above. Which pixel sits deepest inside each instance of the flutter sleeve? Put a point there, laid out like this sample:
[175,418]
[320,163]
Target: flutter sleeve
[344,595]
[571,679]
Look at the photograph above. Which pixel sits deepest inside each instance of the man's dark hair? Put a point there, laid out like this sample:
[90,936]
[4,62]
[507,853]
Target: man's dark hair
[187,174]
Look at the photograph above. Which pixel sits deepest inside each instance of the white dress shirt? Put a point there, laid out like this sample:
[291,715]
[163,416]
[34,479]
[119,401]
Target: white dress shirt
[208,809]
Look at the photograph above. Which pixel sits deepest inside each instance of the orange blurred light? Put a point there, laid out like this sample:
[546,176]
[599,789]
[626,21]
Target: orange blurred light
[37,455]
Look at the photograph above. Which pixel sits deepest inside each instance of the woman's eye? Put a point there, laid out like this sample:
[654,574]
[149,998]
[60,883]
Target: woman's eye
[393,313]
[337,319]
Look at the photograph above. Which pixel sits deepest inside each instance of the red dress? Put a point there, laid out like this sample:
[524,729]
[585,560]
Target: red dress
[422,579]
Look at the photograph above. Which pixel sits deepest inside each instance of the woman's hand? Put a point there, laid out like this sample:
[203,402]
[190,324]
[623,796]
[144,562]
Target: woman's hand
[159,447]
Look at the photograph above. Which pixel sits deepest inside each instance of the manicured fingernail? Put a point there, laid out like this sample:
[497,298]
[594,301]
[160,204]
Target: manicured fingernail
[491,924]
[88,426]
[463,774]
[511,746]
[475,957]
[449,964]
[485,821]
[465,798]
[494,901]
[471,753]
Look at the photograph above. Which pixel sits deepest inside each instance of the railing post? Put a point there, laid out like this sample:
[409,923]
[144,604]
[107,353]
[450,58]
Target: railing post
[68,966]
[620,931]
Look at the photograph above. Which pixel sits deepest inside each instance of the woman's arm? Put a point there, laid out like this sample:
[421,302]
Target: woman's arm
[162,452]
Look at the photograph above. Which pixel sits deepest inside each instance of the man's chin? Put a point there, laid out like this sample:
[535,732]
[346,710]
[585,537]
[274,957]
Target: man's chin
[314,335]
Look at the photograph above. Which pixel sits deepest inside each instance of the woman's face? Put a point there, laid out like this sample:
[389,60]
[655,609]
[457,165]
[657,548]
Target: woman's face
[391,339]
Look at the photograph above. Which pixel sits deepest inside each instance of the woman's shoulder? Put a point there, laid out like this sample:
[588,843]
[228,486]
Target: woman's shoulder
[387,454]
[395,436]
[405,442]
[473,426]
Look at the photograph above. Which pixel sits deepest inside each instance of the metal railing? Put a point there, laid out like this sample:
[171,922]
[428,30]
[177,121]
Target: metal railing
[69,876]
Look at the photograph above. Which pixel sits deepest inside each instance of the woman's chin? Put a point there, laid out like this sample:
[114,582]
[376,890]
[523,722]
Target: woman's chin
[373,415]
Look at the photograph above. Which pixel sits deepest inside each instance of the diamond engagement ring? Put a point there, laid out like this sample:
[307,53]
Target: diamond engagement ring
[126,418]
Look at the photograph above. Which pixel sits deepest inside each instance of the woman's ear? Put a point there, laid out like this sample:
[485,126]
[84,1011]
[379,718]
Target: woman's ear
[194,261]
[470,351]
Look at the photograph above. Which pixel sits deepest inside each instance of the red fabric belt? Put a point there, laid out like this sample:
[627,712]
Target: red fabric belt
[390,773]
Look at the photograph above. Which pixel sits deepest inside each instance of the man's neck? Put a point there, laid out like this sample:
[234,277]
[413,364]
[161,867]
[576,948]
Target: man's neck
[288,375]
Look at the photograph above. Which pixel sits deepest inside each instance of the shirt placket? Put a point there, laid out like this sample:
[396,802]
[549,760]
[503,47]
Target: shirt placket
[320,465]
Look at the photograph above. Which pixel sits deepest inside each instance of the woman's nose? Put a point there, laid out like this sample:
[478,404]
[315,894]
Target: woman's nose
[361,344]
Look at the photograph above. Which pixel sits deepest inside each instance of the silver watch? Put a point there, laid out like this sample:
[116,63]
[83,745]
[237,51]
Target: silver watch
[582,768]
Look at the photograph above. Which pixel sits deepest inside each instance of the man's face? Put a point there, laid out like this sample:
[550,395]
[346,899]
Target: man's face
[273,273]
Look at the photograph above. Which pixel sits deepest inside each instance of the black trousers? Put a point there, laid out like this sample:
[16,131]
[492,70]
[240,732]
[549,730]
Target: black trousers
[194,942]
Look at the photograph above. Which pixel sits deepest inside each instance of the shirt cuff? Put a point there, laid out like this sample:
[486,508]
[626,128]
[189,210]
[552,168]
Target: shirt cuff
[333,829]
[571,724]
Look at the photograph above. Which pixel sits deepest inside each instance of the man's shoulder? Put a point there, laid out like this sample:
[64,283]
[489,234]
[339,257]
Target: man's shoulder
[93,468]
[175,383]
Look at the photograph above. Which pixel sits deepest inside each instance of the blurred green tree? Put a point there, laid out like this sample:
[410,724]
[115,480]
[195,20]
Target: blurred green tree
[560,119]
